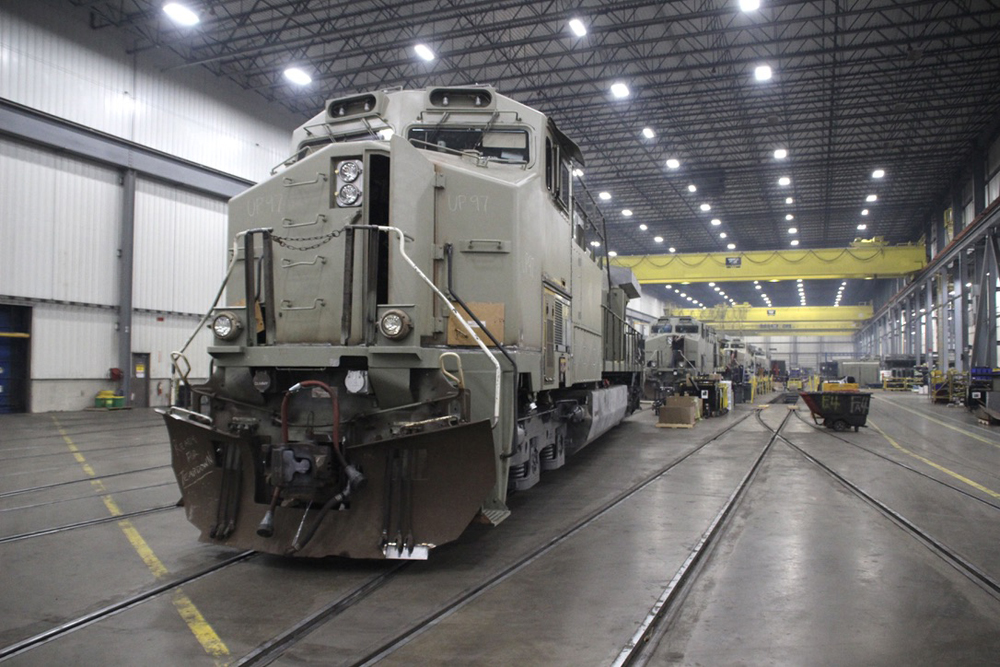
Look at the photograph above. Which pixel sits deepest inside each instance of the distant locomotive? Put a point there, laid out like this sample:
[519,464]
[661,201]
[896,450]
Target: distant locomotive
[419,325]
[678,347]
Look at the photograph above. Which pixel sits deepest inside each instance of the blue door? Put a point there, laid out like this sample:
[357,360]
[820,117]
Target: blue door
[14,348]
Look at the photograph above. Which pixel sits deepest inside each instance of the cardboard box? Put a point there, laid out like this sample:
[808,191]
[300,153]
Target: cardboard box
[678,414]
[684,402]
[491,314]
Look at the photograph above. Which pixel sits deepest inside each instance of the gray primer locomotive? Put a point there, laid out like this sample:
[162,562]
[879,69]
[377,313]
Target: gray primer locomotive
[353,408]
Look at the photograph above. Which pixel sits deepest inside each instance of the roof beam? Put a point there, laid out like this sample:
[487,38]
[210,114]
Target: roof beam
[814,264]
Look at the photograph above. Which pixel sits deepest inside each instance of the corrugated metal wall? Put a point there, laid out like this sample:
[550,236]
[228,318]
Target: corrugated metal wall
[86,76]
[60,226]
[60,230]
[180,248]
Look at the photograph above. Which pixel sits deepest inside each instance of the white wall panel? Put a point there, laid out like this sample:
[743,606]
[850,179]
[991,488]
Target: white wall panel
[161,336]
[72,343]
[51,62]
[180,249]
[60,226]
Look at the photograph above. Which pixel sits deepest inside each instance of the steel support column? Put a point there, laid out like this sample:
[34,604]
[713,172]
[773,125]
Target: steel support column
[928,341]
[126,253]
[961,321]
[984,346]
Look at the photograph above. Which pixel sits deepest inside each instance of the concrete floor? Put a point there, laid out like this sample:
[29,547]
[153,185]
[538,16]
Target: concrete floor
[805,572]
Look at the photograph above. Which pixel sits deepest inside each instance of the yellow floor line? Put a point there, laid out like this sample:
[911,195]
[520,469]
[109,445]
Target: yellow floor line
[936,466]
[978,437]
[199,627]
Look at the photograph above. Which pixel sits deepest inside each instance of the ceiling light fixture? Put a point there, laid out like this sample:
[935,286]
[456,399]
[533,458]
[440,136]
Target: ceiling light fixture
[627,212]
[762,72]
[793,230]
[692,188]
[658,239]
[789,217]
[604,196]
[878,173]
[178,13]
[706,207]
[576,25]
[780,154]
[722,235]
[619,90]
[789,200]
[297,76]
[871,198]
[648,132]
[578,172]
[672,249]
[862,227]
[795,241]
[716,222]
[424,52]
[643,227]
[731,246]
[612,253]
[784,180]
[673,163]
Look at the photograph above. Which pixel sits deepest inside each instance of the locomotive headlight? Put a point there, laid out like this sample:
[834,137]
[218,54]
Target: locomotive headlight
[395,324]
[227,326]
[349,170]
[348,195]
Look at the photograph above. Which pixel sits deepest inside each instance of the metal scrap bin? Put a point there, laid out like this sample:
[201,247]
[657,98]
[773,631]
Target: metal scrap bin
[838,410]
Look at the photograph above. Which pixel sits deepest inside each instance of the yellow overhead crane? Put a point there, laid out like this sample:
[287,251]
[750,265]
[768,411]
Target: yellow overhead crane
[870,261]
[800,320]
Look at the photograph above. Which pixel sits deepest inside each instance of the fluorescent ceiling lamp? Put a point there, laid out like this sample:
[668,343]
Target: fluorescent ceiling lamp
[658,239]
[795,241]
[789,217]
[619,90]
[784,180]
[612,253]
[780,154]
[711,284]
[596,244]
[793,230]
[180,14]
[692,188]
[878,173]
[706,207]
[789,200]
[424,52]
[576,25]
[578,172]
[862,227]
[864,211]
[648,132]
[627,212]
[297,76]
[604,196]
[757,287]
[673,163]
[871,198]
[722,235]
[716,222]
[731,246]
[672,249]
[643,227]
[762,72]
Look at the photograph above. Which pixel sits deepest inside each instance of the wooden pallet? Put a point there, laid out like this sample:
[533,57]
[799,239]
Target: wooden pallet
[674,425]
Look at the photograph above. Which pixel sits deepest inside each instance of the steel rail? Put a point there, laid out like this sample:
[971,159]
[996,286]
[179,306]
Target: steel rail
[827,432]
[44,487]
[635,651]
[83,524]
[940,549]
[52,634]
